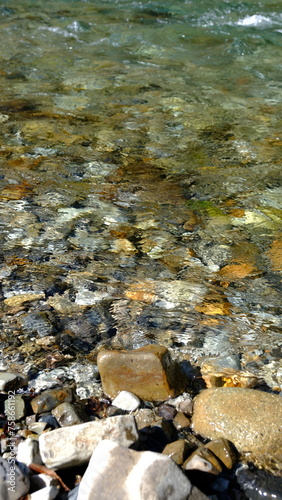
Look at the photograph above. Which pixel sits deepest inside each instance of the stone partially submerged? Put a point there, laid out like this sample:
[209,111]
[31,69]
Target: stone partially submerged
[249,418]
[147,372]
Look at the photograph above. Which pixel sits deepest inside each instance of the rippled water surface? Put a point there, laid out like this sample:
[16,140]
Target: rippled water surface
[141,183]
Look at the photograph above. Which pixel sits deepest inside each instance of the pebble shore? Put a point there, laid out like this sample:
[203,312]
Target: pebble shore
[149,435]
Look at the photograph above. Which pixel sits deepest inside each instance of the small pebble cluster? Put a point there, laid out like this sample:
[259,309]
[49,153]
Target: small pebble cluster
[145,437]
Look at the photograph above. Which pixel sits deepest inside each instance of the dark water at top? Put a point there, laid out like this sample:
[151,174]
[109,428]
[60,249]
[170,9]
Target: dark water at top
[141,182]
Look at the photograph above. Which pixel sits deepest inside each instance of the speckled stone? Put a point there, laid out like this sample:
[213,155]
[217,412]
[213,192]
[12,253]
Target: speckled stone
[70,446]
[249,418]
[147,372]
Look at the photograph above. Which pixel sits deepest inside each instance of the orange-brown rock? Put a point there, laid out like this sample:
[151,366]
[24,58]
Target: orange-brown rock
[147,372]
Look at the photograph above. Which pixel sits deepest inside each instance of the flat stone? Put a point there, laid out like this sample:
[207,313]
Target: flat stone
[70,446]
[10,381]
[147,372]
[49,399]
[67,414]
[250,419]
[22,298]
[123,474]
[14,480]
[126,401]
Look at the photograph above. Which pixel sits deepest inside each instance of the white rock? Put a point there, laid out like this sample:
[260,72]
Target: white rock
[47,493]
[125,400]
[39,481]
[182,403]
[28,452]
[70,446]
[124,474]
[14,483]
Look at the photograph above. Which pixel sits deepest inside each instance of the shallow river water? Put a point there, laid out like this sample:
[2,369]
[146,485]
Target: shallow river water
[140,181]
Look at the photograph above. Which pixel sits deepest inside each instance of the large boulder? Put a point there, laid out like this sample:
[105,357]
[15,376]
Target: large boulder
[250,418]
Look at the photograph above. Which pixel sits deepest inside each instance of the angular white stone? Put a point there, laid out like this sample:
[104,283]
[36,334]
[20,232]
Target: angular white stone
[47,493]
[28,452]
[125,400]
[124,474]
[70,446]
[39,481]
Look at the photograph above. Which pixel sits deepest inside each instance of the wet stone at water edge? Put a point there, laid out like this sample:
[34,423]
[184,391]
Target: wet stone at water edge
[141,245]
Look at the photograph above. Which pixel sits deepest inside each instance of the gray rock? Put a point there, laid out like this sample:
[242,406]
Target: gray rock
[10,381]
[36,323]
[14,480]
[67,414]
[70,446]
[48,400]
[123,474]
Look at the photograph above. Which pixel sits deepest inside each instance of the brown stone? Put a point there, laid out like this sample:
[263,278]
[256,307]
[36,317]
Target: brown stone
[203,459]
[177,451]
[147,372]
[223,449]
[49,399]
[249,418]
[180,421]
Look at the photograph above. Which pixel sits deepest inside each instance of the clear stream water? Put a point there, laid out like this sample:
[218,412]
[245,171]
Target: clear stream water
[140,181]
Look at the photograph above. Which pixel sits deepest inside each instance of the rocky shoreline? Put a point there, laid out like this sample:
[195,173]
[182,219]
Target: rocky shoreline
[148,431]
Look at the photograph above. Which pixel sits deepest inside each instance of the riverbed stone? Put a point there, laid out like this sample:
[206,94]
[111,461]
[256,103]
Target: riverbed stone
[28,452]
[204,460]
[177,451]
[70,446]
[10,381]
[49,399]
[126,401]
[147,372]
[67,414]
[14,483]
[249,418]
[123,474]
[15,407]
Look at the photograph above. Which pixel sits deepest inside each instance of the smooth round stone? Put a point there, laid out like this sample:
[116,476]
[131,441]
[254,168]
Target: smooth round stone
[249,418]
[125,400]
